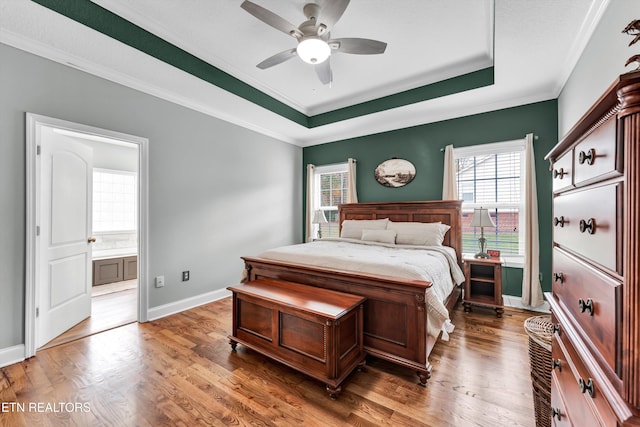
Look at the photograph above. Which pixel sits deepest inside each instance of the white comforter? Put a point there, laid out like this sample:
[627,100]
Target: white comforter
[435,264]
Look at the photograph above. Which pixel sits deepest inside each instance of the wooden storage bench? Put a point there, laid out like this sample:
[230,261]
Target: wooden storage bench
[315,331]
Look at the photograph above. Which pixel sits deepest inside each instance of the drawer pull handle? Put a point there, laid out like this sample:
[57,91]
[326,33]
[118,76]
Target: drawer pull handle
[558,221]
[588,225]
[556,364]
[556,328]
[586,306]
[586,386]
[589,157]
[558,277]
[559,173]
[555,413]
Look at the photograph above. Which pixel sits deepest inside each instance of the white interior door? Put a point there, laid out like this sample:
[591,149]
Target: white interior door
[64,282]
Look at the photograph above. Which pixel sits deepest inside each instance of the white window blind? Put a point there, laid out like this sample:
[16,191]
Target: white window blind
[114,201]
[491,176]
[331,190]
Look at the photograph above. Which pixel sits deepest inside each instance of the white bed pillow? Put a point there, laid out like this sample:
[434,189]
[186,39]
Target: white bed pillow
[382,236]
[419,233]
[352,228]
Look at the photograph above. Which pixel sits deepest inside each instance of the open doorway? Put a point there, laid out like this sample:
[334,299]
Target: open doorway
[114,246]
[86,231]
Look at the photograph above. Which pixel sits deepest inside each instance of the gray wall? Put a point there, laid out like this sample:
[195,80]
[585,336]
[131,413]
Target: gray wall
[601,62]
[216,191]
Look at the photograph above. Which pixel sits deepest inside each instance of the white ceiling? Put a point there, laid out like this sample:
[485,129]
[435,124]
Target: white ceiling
[535,47]
[420,49]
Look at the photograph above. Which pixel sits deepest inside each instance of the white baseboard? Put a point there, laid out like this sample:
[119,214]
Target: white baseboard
[516,301]
[15,354]
[11,355]
[187,303]
[155,313]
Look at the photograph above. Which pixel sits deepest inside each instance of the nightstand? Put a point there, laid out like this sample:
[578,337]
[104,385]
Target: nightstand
[483,283]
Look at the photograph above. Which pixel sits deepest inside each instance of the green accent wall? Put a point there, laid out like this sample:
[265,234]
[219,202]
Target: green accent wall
[422,146]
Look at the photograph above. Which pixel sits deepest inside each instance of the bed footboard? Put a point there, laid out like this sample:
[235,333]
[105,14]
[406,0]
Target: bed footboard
[395,315]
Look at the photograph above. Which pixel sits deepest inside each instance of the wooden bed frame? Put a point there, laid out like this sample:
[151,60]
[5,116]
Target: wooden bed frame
[395,313]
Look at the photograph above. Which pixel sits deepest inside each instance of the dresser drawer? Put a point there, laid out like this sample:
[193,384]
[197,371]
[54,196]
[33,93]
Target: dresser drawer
[580,392]
[592,299]
[598,156]
[586,222]
[559,414]
[562,172]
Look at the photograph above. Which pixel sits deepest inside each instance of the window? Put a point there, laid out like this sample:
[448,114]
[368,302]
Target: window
[491,176]
[330,188]
[114,201]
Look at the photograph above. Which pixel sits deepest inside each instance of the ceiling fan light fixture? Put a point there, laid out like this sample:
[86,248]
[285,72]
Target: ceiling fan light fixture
[313,50]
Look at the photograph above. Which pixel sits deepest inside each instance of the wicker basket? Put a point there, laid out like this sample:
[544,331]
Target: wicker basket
[540,331]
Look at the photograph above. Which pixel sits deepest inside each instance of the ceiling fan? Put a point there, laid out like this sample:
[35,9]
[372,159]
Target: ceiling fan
[315,44]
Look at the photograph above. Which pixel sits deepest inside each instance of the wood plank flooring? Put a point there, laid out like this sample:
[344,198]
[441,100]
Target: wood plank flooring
[180,371]
[108,311]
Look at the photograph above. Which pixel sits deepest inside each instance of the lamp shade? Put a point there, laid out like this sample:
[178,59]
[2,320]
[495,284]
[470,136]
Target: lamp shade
[481,218]
[318,217]
[313,50]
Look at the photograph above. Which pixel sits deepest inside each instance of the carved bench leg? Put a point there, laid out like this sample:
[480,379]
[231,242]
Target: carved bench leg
[233,344]
[333,391]
[424,375]
[362,366]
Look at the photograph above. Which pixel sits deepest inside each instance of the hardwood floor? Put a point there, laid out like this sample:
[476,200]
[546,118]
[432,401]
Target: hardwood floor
[180,371]
[108,310]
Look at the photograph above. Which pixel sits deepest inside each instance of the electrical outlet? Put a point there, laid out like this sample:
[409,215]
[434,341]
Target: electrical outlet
[159,281]
[185,276]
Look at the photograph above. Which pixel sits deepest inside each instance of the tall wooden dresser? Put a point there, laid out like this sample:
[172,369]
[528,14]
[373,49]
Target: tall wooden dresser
[595,302]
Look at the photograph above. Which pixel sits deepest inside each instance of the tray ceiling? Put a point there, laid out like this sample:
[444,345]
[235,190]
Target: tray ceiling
[444,58]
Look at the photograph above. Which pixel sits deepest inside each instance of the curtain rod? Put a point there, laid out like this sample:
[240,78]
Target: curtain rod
[534,138]
[336,163]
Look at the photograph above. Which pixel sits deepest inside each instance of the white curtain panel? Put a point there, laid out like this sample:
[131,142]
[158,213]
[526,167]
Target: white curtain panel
[449,188]
[352,195]
[310,208]
[531,289]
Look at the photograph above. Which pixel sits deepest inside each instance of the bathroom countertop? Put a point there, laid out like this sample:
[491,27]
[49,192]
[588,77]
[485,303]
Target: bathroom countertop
[114,253]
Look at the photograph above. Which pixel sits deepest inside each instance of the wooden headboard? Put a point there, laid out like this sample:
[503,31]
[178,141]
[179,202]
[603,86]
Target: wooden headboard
[445,211]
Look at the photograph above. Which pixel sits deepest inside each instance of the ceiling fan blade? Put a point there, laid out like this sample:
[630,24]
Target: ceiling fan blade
[331,12]
[276,59]
[323,70]
[358,46]
[270,18]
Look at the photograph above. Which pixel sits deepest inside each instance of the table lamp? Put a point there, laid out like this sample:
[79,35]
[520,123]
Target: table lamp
[481,218]
[319,218]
